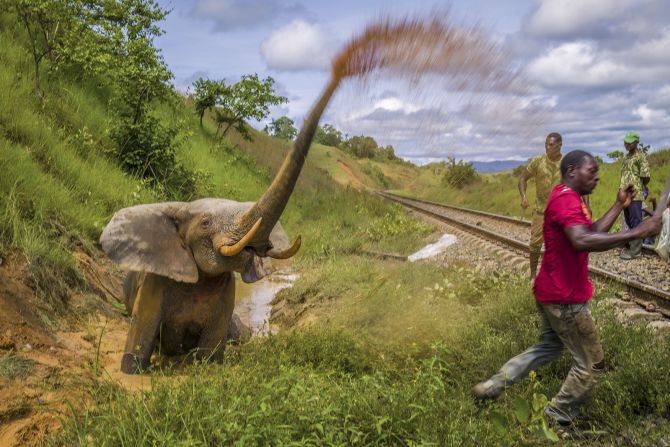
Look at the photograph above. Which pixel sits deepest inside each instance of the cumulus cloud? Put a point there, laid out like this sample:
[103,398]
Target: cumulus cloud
[577,64]
[561,18]
[298,46]
[236,14]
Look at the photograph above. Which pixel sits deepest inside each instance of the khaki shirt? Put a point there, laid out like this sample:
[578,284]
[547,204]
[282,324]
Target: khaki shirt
[547,174]
[632,168]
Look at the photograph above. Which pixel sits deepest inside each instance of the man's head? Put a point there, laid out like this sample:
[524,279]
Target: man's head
[630,141]
[580,171]
[552,145]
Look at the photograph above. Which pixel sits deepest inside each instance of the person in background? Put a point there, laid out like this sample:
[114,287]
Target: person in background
[545,169]
[634,171]
[563,289]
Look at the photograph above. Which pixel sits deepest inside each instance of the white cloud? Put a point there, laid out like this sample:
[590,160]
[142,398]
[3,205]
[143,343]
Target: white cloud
[298,46]
[577,64]
[235,14]
[395,104]
[566,17]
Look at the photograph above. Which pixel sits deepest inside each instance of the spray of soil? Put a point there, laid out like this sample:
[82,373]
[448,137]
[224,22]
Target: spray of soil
[411,48]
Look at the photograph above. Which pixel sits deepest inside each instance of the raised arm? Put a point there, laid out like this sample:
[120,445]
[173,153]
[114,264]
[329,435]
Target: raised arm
[598,238]
[623,199]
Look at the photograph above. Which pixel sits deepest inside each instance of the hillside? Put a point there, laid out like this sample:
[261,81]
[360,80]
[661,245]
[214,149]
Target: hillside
[371,350]
[498,192]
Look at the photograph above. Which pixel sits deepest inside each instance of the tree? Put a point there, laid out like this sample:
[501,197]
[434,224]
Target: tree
[615,155]
[46,23]
[328,135]
[282,128]
[362,146]
[251,98]
[207,95]
[388,153]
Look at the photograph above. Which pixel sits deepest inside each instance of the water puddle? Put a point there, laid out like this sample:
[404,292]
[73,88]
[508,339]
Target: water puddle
[253,300]
[433,249]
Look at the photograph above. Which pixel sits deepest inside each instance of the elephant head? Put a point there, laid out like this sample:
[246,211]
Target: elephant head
[185,241]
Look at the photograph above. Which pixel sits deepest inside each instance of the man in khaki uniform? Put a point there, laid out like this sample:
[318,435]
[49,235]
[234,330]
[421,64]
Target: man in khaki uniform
[545,169]
[634,171]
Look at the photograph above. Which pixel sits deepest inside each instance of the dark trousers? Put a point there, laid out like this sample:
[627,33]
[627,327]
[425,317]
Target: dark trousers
[633,214]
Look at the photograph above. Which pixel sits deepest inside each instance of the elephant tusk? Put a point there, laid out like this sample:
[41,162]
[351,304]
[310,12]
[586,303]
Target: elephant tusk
[285,254]
[232,250]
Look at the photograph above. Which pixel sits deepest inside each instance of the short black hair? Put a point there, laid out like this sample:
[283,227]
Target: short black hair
[574,159]
[555,135]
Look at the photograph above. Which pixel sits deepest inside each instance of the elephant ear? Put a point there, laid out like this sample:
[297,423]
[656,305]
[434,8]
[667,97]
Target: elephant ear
[145,238]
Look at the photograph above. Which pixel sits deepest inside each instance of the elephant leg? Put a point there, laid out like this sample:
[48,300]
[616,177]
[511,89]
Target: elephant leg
[214,334]
[130,290]
[144,324]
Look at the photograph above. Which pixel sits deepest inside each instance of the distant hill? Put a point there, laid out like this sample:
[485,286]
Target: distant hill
[496,166]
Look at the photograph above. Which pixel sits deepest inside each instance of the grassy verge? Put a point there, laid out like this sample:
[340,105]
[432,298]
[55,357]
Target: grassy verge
[343,383]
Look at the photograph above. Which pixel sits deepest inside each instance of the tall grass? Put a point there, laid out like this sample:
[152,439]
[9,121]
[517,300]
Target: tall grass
[346,385]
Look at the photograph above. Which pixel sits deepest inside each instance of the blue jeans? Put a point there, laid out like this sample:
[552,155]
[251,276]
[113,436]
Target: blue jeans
[563,325]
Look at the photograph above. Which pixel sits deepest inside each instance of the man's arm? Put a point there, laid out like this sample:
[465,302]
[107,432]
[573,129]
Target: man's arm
[583,239]
[598,238]
[523,180]
[623,199]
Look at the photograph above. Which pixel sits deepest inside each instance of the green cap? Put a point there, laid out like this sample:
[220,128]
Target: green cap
[631,137]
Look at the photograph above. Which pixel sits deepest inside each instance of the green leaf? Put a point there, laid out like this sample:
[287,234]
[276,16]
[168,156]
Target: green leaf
[539,402]
[499,422]
[549,434]
[521,410]
[380,423]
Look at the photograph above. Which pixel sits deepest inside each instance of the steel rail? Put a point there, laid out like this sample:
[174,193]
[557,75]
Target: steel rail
[658,296]
[648,249]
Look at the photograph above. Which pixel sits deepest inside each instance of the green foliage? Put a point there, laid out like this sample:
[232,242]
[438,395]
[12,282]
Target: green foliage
[529,422]
[362,146]
[376,173]
[283,128]
[207,94]
[615,155]
[459,174]
[250,98]
[328,135]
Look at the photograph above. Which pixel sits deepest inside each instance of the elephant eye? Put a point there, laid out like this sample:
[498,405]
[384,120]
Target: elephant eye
[206,222]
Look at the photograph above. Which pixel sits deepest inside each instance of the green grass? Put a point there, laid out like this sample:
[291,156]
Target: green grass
[397,345]
[12,366]
[499,193]
[346,385]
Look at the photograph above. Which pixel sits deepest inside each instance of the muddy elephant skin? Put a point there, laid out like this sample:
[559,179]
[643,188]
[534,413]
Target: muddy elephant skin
[182,255]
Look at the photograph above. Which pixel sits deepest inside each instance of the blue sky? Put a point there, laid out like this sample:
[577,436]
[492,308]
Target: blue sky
[593,69]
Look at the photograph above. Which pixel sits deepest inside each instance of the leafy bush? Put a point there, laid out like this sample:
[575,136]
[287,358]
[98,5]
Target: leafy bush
[459,174]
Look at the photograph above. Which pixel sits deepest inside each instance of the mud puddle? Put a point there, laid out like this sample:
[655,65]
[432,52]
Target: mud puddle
[253,301]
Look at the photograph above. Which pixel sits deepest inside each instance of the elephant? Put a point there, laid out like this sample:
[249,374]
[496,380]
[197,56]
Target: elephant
[180,292]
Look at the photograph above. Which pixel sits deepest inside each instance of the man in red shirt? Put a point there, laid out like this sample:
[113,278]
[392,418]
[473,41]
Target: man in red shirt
[562,288]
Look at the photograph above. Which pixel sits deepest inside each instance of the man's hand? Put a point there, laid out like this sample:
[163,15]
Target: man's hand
[650,227]
[524,202]
[625,196]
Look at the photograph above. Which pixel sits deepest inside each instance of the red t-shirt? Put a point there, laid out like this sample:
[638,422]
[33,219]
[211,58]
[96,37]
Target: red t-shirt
[564,274]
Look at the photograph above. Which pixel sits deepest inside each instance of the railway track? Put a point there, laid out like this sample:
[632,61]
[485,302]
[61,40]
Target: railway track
[646,278]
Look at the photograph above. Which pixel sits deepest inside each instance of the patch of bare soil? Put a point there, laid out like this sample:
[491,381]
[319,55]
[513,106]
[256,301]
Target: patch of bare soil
[65,354]
[354,181]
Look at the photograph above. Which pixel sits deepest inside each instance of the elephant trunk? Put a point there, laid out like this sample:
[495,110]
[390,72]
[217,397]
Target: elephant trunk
[271,205]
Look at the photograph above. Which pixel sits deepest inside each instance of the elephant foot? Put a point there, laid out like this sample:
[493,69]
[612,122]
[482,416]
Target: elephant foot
[133,364]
